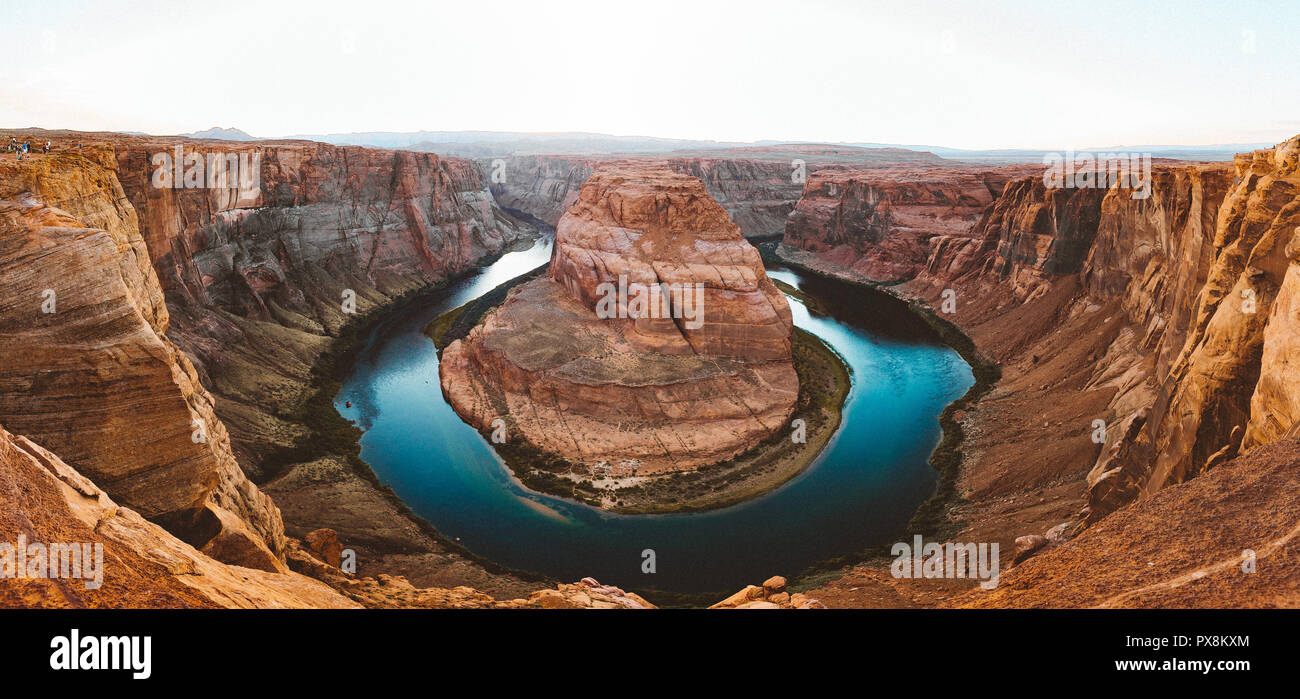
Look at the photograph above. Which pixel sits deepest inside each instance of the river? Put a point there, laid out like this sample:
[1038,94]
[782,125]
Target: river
[861,491]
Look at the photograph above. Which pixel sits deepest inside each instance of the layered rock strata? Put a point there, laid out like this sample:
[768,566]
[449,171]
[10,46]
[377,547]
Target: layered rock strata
[1158,326]
[87,368]
[757,186]
[1227,387]
[255,282]
[577,369]
[124,561]
[881,223]
[1164,315]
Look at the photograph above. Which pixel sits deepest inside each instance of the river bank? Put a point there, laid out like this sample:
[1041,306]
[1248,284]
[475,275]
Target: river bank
[935,518]
[320,481]
[824,382]
[860,493]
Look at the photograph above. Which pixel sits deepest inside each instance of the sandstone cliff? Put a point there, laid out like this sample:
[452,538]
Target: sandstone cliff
[275,266]
[1223,385]
[254,284]
[1166,319]
[256,277]
[881,223]
[757,186]
[86,366]
[127,562]
[625,386]
[46,501]
[1183,367]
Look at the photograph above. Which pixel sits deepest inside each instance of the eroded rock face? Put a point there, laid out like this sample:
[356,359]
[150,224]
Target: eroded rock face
[1190,290]
[881,223]
[87,369]
[255,286]
[604,382]
[1275,405]
[1219,387]
[650,226]
[48,502]
[246,270]
[1027,237]
[380,216]
[134,564]
[1197,270]
[757,186]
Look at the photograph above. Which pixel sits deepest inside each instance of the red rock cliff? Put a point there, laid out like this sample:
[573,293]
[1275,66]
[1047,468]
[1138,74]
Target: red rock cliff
[86,366]
[881,223]
[757,186]
[256,280]
[659,392]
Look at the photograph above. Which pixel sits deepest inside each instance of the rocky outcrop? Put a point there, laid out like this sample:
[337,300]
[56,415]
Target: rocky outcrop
[648,226]
[772,594]
[1216,394]
[124,561]
[587,594]
[87,367]
[1143,340]
[48,503]
[881,223]
[696,371]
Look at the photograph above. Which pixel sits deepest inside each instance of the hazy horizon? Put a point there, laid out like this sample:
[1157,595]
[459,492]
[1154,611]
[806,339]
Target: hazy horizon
[947,75]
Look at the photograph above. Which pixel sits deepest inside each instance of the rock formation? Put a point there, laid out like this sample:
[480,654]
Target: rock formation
[699,373]
[254,283]
[757,186]
[1166,318]
[881,223]
[772,594]
[47,502]
[86,366]
[1227,388]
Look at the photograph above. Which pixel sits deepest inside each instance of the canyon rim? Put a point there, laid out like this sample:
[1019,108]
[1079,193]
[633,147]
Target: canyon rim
[521,307]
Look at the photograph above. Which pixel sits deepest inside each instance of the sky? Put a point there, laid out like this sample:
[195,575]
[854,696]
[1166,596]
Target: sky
[961,74]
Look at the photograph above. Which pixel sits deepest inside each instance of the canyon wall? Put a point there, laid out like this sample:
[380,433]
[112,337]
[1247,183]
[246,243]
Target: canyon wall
[881,223]
[254,282]
[379,217]
[1227,388]
[1159,326]
[1199,274]
[757,186]
[598,381]
[87,368]
[47,502]
[258,279]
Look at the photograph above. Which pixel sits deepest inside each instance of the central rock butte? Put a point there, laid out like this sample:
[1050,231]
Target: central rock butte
[640,394]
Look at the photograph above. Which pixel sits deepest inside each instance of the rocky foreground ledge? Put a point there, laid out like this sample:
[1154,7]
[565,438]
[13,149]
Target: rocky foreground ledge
[573,366]
[130,562]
